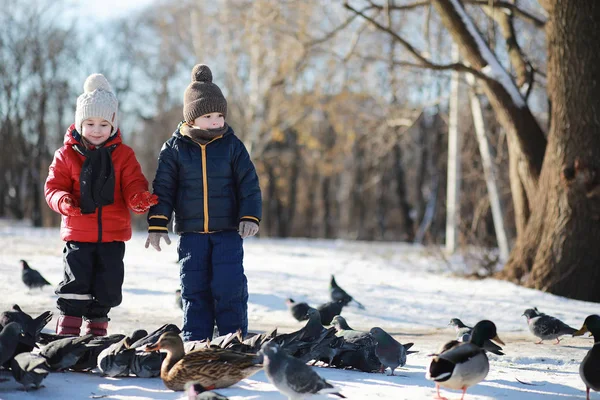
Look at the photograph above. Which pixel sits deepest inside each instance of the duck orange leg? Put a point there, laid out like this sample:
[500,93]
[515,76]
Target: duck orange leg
[464,391]
[438,395]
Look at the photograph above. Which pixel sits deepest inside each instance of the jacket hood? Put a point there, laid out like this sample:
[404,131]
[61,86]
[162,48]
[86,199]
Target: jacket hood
[73,137]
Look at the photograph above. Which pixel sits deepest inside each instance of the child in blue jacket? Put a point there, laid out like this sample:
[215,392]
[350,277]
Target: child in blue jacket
[206,178]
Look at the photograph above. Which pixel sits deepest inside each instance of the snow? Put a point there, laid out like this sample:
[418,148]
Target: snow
[406,290]
[493,69]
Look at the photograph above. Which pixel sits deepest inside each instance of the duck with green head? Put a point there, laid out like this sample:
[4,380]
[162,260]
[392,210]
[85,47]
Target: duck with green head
[462,365]
[589,369]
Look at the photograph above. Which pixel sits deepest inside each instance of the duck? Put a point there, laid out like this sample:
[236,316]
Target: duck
[213,368]
[590,365]
[461,365]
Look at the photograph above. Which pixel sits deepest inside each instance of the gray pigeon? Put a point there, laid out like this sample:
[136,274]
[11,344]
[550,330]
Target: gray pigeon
[339,294]
[116,359]
[31,327]
[196,391]
[9,339]
[32,278]
[390,352]
[463,334]
[299,310]
[29,369]
[89,359]
[545,326]
[330,310]
[344,330]
[147,364]
[292,377]
[64,353]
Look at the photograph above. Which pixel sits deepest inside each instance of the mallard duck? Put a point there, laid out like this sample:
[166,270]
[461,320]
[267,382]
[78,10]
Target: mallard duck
[461,365]
[213,368]
[589,370]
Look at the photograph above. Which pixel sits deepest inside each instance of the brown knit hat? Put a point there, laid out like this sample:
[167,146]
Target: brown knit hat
[202,96]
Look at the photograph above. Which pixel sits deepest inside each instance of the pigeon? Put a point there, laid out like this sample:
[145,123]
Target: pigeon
[327,348]
[116,358]
[461,365]
[32,278]
[545,326]
[292,377]
[153,337]
[339,294]
[64,353]
[363,357]
[344,330]
[390,352]
[299,310]
[330,310]
[31,326]
[196,391]
[146,364]
[463,334]
[29,369]
[178,299]
[9,339]
[590,365]
[89,359]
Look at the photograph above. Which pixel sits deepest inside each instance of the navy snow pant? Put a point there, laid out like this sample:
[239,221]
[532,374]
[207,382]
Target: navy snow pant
[213,284]
[93,278]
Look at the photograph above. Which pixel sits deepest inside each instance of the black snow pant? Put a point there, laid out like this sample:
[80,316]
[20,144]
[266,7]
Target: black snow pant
[93,278]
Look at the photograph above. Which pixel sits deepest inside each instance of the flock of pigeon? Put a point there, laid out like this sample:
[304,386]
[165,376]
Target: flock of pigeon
[201,366]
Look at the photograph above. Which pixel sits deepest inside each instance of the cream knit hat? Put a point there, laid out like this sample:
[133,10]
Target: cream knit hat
[97,101]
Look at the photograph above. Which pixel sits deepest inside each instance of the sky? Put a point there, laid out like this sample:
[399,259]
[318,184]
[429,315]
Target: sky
[106,9]
[406,289]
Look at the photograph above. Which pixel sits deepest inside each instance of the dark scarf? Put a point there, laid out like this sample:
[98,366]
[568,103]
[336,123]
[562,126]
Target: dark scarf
[97,178]
[202,136]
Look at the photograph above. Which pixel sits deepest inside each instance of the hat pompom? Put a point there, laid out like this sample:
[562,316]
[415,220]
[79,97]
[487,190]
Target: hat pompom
[201,73]
[96,81]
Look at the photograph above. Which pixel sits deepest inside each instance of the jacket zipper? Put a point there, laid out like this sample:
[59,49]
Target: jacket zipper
[205,180]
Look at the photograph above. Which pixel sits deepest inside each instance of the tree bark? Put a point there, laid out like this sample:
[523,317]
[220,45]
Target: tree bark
[558,251]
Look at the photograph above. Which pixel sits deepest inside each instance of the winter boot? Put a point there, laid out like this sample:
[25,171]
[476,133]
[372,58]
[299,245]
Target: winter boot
[96,326]
[68,325]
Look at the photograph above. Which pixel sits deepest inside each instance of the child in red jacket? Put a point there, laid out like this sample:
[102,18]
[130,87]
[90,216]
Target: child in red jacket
[93,181]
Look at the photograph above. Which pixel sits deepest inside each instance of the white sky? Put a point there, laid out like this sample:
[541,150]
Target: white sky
[106,9]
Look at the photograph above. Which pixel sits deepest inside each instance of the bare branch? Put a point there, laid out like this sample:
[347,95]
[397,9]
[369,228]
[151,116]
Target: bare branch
[334,32]
[513,8]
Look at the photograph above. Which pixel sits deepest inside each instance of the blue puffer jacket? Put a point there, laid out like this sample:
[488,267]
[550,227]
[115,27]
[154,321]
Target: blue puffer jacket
[210,187]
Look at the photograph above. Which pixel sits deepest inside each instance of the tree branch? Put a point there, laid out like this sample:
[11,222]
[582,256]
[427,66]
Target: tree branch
[424,62]
[332,33]
[513,8]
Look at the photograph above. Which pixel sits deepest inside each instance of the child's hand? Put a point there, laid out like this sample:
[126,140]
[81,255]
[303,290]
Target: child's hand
[68,206]
[141,202]
[247,229]
[154,239]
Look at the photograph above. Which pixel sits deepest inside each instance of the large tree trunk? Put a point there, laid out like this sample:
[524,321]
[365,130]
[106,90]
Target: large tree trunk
[558,251]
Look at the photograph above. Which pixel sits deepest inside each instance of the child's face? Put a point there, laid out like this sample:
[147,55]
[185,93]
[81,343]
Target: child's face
[210,121]
[96,130]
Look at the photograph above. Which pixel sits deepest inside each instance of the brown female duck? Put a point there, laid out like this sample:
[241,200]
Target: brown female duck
[213,368]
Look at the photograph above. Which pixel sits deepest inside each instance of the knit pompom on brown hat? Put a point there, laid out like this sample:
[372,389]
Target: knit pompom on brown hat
[97,101]
[202,96]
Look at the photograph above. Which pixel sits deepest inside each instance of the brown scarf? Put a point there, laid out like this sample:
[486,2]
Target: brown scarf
[202,136]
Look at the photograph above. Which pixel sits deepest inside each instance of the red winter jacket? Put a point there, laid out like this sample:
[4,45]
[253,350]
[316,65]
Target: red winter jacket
[107,224]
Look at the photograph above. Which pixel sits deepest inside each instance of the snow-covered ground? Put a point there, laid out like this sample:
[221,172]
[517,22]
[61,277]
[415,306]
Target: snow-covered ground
[406,291]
